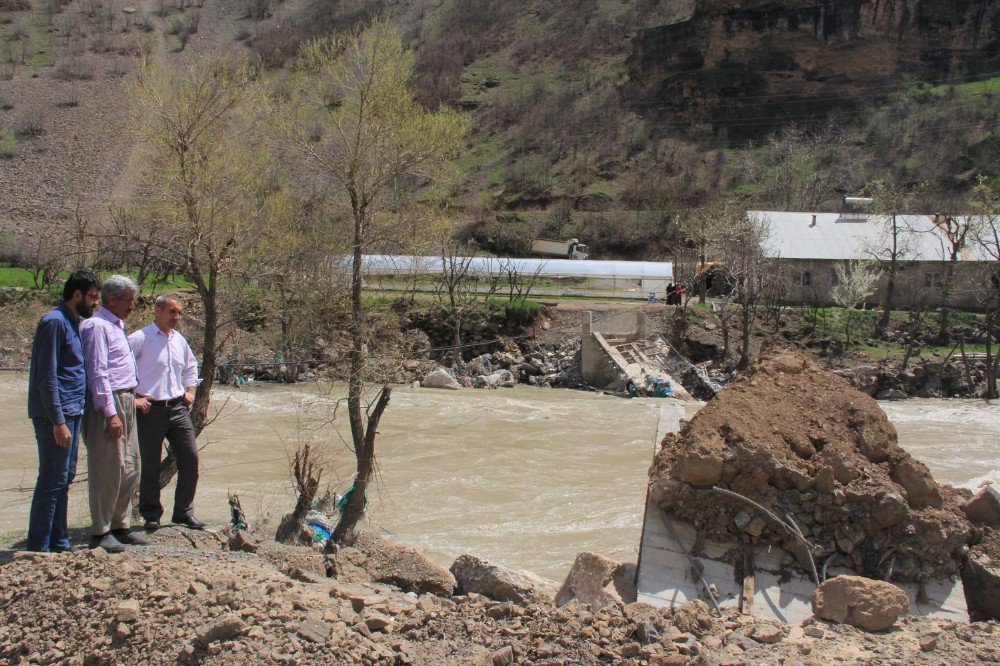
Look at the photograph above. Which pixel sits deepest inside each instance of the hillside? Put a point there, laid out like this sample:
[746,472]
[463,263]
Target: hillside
[595,118]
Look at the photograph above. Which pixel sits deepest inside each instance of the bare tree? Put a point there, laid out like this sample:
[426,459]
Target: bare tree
[459,291]
[986,206]
[895,242]
[354,123]
[745,251]
[799,169]
[954,234]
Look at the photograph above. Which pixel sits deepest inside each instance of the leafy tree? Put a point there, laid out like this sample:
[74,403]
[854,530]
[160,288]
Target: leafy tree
[210,186]
[855,282]
[355,124]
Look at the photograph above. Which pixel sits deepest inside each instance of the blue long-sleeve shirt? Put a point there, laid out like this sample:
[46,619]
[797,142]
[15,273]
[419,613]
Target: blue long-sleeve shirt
[57,379]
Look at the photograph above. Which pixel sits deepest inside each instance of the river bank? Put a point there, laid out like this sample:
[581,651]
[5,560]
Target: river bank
[542,349]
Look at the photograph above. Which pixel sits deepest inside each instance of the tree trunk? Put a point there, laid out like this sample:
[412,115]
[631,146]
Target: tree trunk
[745,332]
[209,360]
[890,292]
[362,437]
[992,392]
[702,276]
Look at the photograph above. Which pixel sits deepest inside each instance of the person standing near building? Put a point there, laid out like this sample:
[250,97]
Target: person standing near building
[57,389]
[168,377]
[109,422]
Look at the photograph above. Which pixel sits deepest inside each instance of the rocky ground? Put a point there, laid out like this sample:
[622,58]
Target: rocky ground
[196,598]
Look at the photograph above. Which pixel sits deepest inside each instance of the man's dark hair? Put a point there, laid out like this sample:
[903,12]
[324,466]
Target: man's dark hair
[82,280]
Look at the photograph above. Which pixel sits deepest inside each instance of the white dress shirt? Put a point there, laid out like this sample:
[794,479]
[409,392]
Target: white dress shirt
[165,364]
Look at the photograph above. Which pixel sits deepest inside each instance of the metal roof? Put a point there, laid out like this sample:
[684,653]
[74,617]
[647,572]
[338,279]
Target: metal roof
[384,264]
[831,236]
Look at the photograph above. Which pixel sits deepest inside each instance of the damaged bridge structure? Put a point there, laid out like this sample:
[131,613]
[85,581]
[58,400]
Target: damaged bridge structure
[610,358]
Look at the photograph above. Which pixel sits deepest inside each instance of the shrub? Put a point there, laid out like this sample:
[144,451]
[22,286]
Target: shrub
[74,69]
[31,122]
[14,5]
[8,144]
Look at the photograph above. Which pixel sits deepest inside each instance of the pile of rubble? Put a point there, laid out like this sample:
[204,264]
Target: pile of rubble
[922,379]
[539,366]
[200,598]
[803,444]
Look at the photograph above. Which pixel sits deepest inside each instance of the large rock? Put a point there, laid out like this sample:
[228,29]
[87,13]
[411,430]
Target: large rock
[984,508]
[872,605]
[598,582]
[389,562]
[440,379]
[475,574]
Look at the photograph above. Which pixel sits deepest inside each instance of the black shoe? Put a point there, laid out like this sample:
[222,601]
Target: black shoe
[72,550]
[152,525]
[189,522]
[108,542]
[130,538]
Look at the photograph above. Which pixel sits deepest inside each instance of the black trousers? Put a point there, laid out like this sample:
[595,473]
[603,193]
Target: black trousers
[174,424]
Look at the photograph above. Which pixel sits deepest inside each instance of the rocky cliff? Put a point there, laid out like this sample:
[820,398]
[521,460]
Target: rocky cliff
[745,63]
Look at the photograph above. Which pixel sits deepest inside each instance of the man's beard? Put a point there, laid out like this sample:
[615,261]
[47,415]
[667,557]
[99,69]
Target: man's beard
[84,310]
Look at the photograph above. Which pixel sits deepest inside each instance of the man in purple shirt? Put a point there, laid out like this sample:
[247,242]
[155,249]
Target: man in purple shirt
[57,386]
[168,376]
[109,421]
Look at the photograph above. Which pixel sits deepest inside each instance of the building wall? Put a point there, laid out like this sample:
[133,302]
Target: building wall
[918,284]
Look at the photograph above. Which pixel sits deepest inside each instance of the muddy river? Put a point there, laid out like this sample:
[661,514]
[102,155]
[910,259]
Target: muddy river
[527,477]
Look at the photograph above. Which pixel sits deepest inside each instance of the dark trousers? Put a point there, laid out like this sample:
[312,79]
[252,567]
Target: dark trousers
[47,528]
[174,424]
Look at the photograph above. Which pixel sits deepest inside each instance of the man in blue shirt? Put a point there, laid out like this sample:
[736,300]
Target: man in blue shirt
[57,389]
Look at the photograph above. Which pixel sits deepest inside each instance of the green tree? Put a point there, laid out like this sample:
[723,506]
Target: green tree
[855,282]
[210,186]
[354,123]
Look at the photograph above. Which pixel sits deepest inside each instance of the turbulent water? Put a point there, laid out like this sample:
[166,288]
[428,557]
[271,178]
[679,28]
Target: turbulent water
[526,477]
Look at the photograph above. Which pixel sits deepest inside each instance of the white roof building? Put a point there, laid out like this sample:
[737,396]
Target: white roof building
[385,264]
[832,236]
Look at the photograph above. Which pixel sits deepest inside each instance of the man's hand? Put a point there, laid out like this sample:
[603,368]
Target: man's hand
[142,404]
[189,397]
[113,426]
[62,435]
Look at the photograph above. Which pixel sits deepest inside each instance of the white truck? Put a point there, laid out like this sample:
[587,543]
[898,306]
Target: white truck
[567,249]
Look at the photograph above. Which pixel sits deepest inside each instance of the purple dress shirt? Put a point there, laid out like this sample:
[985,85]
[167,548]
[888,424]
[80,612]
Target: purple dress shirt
[108,357]
[165,364]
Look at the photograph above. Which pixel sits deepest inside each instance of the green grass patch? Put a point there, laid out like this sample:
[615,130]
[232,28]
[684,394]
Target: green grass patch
[33,25]
[8,144]
[971,88]
[11,276]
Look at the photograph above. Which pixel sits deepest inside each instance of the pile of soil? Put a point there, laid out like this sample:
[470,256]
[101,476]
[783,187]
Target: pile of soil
[803,443]
[188,599]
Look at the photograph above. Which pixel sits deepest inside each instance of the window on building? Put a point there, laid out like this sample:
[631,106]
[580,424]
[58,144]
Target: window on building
[803,278]
[933,279]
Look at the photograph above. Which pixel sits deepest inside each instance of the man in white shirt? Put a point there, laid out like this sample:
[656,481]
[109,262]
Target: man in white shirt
[167,372]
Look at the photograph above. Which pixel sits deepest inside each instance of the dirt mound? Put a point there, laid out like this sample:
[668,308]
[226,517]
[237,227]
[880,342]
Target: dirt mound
[803,443]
